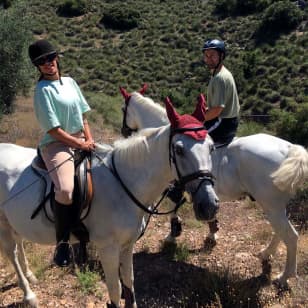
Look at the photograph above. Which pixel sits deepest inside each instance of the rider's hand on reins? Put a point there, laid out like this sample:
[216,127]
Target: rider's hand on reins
[88,145]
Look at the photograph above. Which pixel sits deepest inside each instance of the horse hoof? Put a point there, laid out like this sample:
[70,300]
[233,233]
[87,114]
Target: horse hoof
[281,283]
[263,256]
[31,301]
[212,237]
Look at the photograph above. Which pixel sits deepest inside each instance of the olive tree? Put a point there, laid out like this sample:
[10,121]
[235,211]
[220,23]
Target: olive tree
[14,37]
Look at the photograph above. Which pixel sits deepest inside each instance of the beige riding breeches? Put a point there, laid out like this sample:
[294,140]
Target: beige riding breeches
[59,160]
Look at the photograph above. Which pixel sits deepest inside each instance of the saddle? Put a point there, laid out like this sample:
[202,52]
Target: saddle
[82,195]
[222,142]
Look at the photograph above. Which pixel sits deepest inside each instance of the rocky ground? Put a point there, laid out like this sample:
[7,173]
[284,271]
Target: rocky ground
[196,274]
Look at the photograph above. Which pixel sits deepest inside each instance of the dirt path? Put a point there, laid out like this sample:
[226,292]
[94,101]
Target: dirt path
[230,269]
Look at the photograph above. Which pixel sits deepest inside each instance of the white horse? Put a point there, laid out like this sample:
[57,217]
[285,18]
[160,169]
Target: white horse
[265,167]
[141,166]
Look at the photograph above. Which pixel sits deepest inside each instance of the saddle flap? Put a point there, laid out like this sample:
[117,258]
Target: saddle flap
[39,165]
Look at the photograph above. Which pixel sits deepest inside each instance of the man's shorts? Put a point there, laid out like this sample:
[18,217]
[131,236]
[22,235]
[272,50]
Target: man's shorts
[222,129]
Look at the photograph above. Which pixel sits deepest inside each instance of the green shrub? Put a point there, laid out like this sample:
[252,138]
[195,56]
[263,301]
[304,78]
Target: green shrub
[120,17]
[292,126]
[88,281]
[281,16]
[239,7]
[6,3]
[249,127]
[72,8]
[225,7]
[244,7]
[15,37]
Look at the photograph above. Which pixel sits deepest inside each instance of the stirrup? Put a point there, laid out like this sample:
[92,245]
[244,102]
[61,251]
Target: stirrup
[63,254]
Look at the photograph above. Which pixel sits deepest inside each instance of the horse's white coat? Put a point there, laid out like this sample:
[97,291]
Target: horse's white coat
[114,222]
[263,166]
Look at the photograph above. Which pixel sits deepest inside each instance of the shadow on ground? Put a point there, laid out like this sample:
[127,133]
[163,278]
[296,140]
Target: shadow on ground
[160,282]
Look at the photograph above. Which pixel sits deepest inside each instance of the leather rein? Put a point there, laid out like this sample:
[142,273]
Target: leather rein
[204,175]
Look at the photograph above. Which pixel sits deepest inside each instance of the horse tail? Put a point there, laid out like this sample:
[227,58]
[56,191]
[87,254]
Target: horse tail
[293,171]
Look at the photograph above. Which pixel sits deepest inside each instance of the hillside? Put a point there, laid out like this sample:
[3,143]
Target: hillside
[112,43]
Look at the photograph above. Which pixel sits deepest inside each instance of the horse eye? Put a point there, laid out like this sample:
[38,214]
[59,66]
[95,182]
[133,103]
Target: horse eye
[179,150]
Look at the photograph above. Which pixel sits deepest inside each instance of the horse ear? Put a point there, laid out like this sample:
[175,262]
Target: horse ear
[173,116]
[143,89]
[125,94]
[200,109]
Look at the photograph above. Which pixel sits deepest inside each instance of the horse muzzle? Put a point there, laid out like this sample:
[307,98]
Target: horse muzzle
[205,202]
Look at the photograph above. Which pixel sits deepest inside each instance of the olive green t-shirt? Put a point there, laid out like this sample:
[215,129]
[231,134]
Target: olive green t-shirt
[222,92]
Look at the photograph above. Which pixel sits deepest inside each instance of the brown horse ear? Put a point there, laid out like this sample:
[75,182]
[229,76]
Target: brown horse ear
[125,94]
[173,116]
[200,109]
[143,89]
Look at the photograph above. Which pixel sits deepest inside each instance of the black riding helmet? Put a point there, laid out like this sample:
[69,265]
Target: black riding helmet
[39,49]
[215,44]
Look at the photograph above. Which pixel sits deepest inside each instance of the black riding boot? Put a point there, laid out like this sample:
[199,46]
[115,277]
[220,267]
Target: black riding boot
[63,252]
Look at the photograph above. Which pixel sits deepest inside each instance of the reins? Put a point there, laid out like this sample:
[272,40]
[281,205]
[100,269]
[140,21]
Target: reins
[135,200]
[40,176]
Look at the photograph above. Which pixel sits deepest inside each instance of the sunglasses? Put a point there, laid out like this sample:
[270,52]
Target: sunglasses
[46,59]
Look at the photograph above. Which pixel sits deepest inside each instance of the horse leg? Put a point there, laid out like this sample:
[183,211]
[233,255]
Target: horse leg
[213,228]
[24,262]
[175,228]
[286,232]
[110,259]
[10,248]
[270,250]
[127,276]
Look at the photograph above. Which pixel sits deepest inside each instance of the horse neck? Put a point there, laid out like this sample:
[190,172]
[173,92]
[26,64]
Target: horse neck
[144,167]
[149,115]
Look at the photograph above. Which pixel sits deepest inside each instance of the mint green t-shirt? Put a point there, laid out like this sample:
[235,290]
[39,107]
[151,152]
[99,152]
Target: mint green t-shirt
[59,105]
[222,92]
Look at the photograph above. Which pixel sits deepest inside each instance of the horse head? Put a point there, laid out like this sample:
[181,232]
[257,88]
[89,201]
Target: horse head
[126,129]
[189,145]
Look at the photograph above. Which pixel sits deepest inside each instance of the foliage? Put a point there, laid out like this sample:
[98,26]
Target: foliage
[6,3]
[72,8]
[175,252]
[281,16]
[298,208]
[121,17]
[88,281]
[15,37]
[163,49]
[106,105]
[292,126]
[249,128]
[239,7]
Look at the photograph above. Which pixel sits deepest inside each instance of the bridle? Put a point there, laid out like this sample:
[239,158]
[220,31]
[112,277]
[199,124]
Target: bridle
[126,131]
[203,175]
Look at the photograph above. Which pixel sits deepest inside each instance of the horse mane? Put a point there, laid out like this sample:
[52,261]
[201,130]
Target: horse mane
[134,149]
[154,109]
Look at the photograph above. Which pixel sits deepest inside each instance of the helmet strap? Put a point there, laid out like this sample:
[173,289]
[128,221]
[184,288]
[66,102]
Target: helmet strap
[218,64]
[59,73]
